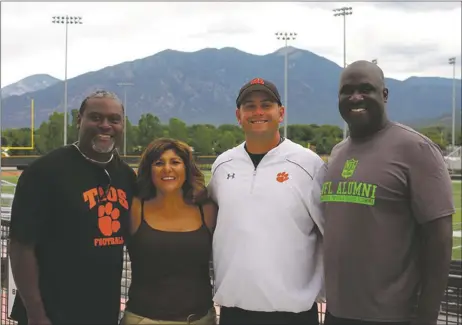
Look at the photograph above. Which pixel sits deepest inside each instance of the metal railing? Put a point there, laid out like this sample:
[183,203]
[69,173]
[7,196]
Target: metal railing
[454,161]
[451,307]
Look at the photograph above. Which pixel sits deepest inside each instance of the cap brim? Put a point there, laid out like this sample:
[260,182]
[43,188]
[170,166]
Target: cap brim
[254,88]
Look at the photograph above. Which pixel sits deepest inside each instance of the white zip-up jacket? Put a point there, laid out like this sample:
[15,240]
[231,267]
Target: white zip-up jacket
[267,246]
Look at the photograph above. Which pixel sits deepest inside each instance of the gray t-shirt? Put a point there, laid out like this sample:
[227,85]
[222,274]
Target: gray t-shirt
[376,192]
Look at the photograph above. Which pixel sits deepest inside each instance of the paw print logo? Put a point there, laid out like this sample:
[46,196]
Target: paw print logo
[108,216]
[282,177]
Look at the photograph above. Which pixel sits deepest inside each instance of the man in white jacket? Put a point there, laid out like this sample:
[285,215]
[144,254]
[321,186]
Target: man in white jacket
[267,243]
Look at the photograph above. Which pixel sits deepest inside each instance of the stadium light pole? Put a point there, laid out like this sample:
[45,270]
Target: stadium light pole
[66,20]
[343,12]
[285,37]
[1,154]
[452,61]
[125,85]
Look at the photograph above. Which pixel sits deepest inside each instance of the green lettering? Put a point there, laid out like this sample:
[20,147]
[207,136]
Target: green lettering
[349,192]
[339,188]
[366,190]
[374,188]
[354,188]
[326,188]
[347,199]
[357,189]
[342,188]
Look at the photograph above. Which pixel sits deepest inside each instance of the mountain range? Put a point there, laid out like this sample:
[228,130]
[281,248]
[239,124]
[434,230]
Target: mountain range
[29,84]
[201,87]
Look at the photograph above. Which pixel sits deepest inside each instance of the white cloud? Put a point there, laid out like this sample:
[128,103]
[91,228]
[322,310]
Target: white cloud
[406,42]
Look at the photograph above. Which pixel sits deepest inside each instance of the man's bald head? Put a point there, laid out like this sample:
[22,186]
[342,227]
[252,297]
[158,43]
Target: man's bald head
[365,67]
[362,97]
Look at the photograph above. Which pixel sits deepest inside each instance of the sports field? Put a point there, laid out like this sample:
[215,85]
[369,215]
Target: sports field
[207,175]
[456,239]
[12,177]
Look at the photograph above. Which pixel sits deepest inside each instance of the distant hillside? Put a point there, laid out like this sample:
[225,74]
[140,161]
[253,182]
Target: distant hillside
[29,84]
[444,120]
[201,87]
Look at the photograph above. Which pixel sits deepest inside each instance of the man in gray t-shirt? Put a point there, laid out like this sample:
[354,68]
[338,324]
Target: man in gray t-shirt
[387,199]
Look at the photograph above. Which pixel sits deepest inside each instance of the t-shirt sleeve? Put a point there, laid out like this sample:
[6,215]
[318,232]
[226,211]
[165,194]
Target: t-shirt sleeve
[430,184]
[30,212]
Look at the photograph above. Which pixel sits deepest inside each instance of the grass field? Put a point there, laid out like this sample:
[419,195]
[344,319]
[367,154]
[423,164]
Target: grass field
[457,240]
[457,219]
[11,179]
[207,175]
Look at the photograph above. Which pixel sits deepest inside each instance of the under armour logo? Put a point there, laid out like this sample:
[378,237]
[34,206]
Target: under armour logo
[230,176]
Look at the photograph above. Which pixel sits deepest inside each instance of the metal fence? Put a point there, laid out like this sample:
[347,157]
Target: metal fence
[451,311]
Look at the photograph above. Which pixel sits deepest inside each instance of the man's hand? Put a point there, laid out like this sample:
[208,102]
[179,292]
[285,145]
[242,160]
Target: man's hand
[435,260]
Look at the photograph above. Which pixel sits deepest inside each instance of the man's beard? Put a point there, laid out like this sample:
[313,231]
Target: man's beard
[102,147]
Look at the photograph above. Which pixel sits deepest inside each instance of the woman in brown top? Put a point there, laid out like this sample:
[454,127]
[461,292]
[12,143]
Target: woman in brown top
[170,240]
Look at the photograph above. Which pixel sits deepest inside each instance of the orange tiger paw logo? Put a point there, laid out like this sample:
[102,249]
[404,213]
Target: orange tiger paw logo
[108,216]
[282,177]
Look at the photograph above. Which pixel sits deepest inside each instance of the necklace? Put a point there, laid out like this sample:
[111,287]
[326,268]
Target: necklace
[92,160]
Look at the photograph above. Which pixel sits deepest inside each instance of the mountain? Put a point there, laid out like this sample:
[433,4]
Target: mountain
[444,120]
[29,84]
[201,87]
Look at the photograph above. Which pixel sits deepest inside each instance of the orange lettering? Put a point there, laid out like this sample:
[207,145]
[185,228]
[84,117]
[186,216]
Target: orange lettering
[89,196]
[122,198]
[102,196]
[111,241]
[257,81]
[112,194]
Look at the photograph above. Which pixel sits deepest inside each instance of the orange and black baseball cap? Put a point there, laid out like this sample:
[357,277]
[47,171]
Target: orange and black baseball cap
[258,84]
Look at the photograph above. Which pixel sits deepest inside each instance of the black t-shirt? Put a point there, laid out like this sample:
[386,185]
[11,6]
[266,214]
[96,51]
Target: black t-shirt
[77,215]
[257,157]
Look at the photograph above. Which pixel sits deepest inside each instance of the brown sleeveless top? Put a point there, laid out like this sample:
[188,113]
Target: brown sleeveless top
[170,272]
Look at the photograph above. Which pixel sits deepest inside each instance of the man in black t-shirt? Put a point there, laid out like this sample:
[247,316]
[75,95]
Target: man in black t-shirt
[68,224]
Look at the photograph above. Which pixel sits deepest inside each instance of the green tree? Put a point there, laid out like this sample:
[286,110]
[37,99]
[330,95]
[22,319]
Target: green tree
[178,130]
[235,130]
[50,134]
[149,128]
[15,138]
[72,131]
[437,135]
[202,139]
[226,141]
